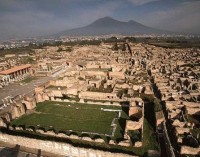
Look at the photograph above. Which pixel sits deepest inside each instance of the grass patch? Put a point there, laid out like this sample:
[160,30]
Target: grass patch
[100,101]
[77,117]
[29,79]
[149,137]
[56,87]
[101,123]
[149,141]
[69,122]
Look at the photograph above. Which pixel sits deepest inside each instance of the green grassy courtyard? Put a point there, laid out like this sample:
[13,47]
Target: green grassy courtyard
[87,117]
[63,116]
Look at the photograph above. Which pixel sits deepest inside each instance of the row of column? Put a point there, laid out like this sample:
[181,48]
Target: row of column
[19,73]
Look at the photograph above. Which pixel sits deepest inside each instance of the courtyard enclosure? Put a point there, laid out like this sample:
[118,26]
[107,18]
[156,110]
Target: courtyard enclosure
[149,140]
[72,117]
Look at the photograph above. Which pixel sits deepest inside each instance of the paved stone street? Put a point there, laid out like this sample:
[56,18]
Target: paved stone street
[17,89]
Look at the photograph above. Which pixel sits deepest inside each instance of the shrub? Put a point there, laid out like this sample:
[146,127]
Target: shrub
[157,105]
[121,92]
[134,135]
[81,78]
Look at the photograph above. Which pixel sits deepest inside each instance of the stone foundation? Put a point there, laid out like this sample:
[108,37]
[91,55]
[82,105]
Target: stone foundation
[59,148]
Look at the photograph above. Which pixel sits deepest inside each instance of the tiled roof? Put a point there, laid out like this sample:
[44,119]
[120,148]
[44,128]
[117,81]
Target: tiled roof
[14,69]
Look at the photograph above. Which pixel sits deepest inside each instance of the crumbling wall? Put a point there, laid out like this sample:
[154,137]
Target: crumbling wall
[119,75]
[57,147]
[98,96]
[30,103]
[17,109]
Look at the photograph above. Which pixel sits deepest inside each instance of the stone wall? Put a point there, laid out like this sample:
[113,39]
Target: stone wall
[96,73]
[16,109]
[58,147]
[119,75]
[190,150]
[98,96]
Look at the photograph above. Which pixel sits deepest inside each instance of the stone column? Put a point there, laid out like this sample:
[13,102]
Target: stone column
[19,74]
[11,76]
[15,76]
[29,70]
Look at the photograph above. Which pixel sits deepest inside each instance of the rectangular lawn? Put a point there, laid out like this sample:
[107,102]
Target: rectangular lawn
[70,116]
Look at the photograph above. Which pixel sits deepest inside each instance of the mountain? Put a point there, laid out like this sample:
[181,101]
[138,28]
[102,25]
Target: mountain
[108,25]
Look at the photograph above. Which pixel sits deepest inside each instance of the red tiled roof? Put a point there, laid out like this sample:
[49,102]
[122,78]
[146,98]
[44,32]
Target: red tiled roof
[14,69]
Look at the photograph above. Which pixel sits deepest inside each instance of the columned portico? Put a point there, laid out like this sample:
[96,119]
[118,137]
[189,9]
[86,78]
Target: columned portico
[17,73]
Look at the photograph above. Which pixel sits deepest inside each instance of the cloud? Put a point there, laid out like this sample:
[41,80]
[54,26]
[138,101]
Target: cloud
[35,20]
[29,23]
[183,18]
[22,18]
[141,2]
[104,9]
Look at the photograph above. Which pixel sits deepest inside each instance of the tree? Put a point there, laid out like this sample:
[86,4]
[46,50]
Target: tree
[123,47]
[178,88]
[130,39]
[186,83]
[179,81]
[59,49]
[115,47]
[113,39]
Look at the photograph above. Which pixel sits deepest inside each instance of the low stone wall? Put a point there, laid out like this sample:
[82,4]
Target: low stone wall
[89,102]
[190,150]
[57,147]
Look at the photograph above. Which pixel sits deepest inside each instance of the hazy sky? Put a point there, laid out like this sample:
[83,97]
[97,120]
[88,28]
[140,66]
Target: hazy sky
[24,18]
